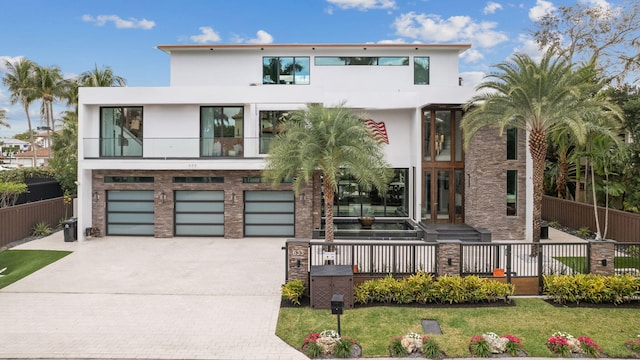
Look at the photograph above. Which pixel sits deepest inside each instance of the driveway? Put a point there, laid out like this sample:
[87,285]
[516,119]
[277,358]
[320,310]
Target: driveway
[148,298]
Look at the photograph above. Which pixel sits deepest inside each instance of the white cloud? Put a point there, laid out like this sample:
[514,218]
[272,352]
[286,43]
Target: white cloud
[491,7]
[432,28]
[120,23]
[363,5]
[471,56]
[541,9]
[528,46]
[472,78]
[391,41]
[597,3]
[4,59]
[262,37]
[207,35]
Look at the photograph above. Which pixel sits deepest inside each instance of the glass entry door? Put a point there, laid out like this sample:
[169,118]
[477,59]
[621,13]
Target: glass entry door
[442,196]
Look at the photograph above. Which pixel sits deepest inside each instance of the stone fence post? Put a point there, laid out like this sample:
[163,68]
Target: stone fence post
[298,260]
[448,257]
[601,257]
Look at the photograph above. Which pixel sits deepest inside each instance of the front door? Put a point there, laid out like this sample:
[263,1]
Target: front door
[442,166]
[442,196]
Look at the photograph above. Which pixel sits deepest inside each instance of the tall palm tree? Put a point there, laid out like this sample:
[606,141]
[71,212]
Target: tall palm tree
[49,86]
[19,81]
[333,141]
[541,98]
[65,155]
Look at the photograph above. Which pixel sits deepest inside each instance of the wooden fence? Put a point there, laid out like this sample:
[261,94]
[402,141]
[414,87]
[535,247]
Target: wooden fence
[623,226]
[16,222]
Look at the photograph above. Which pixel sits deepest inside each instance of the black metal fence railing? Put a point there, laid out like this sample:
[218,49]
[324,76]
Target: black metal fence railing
[627,258]
[379,257]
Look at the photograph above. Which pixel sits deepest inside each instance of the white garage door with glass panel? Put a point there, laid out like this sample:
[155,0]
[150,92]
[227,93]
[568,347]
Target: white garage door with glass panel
[199,213]
[269,213]
[130,212]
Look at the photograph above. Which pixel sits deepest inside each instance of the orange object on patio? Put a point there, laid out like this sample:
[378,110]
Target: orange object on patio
[498,272]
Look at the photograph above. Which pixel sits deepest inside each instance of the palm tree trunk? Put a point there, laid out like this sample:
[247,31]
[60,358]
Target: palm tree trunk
[328,210]
[33,145]
[595,204]
[538,147]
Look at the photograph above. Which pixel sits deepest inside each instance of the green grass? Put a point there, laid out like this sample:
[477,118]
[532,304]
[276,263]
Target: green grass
[20,263]
[532,320]
[579,264]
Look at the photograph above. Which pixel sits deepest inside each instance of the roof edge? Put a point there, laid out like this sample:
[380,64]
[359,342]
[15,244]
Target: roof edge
[180,47]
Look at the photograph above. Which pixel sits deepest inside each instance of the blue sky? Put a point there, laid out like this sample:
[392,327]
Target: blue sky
[77,35]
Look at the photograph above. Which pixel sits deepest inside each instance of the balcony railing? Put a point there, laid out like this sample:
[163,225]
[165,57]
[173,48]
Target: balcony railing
[176,148]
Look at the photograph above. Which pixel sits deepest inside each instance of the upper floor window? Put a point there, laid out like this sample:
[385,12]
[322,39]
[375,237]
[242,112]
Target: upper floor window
[361,60]
[512,192]
[442,135]
[421,70]
[512,144]
[285,70]
[221,130]
[269,127]
[121,131]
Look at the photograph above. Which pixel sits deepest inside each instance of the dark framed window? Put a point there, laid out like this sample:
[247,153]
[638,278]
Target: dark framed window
[512,192]
[512,144]
[351,200]
[221,131]
[260,179]
[198,179]
[285,70]
[269,127]
[128,179]
[121,131]
[421,70]
[361,60]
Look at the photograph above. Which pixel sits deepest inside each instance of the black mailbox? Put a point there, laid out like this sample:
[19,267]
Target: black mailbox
[337,304]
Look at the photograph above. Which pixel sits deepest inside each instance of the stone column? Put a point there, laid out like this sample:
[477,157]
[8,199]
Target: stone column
[298,260]
[448,257]
[601,257]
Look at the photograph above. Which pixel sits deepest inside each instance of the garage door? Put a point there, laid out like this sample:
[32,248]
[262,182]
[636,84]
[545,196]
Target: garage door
[130,212]
[269,213]
[199,213]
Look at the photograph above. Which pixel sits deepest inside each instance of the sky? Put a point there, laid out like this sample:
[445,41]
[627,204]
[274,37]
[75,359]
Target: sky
[77,35]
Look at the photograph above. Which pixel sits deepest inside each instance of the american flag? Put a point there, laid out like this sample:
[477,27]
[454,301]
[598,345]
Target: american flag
[379,130]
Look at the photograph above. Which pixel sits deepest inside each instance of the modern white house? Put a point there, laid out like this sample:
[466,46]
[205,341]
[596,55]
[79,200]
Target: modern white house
[186,160]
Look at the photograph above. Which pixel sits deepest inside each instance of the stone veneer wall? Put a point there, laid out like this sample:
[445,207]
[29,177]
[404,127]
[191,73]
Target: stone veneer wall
[486,188]
[599,251]
[306,207]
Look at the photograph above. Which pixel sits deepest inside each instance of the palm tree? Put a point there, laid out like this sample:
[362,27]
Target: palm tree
[19,81]
[333,141]
[541,98]
[49,86]
[101,78]
[3,116]
[65,155]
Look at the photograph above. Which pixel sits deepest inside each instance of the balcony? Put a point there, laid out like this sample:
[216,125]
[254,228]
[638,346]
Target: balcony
[173,148]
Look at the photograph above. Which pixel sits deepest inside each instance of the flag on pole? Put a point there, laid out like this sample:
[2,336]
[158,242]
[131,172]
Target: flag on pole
[379,130]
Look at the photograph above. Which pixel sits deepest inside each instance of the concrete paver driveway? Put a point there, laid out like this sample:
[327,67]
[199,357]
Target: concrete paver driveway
[137,297]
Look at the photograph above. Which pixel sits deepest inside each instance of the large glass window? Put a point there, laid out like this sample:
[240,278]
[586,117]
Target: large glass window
[121,131]
[421,70]
[269,127]
[361,60]
[351,200]
[512,144]
[221,131]
[285,70]
[512,192]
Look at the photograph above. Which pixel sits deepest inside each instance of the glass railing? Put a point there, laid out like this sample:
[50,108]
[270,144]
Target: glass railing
[173,148]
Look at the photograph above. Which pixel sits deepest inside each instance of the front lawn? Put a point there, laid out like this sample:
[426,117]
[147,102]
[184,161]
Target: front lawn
[532,320]
[20,263]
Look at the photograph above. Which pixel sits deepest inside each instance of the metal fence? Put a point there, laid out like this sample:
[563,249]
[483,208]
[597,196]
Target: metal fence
[627,258]
[16,222]
[516,259]
[378,258]
[622,226]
